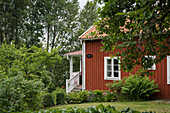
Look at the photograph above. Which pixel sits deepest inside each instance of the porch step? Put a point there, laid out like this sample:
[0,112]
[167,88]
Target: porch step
[77,88]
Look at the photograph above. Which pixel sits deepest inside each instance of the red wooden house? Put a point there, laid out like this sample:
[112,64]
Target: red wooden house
[98,68]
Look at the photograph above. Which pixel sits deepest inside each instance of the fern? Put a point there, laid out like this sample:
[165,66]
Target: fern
[138,87]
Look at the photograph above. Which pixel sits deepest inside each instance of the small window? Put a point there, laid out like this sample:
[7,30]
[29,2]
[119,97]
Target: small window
[152,65]
[168,69]
[112,68]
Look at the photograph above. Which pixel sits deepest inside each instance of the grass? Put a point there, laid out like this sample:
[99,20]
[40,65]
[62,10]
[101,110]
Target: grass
[155,106]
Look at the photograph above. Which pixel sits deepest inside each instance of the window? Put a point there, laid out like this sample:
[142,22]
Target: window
[168,69]
[153,66]
[111,68]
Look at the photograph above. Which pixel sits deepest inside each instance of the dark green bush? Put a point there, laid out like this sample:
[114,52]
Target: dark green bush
[18,94]
[96,96]
[49,100]
[60,95]
[84,95]
[78,97]
[109,97]
[138,87]
[74,98]
[55,98]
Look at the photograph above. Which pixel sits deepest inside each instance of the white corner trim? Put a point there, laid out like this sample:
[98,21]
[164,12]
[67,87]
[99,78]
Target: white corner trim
[85,32]
[84,66]
[168,69]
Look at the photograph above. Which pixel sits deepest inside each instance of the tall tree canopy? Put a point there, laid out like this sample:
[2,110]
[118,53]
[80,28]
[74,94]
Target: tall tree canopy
[139,28]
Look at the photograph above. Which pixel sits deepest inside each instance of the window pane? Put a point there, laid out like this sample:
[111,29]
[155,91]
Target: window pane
[109,61]
[116,68]
[109,67]
[115,61]
[116,74]
[109,74]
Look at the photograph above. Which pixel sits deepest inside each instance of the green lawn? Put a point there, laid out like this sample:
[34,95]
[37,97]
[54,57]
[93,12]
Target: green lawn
[156,106]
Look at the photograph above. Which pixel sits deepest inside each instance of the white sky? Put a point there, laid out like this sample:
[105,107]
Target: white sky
[83,2]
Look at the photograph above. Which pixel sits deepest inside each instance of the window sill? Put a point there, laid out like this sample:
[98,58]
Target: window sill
[111,78]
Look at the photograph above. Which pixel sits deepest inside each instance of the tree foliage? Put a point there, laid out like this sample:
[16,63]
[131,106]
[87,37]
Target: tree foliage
[137,28]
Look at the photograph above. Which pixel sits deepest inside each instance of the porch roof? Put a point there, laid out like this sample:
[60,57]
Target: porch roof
[74,53]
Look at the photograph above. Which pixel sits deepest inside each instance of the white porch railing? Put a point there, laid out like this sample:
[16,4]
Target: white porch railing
[72,82]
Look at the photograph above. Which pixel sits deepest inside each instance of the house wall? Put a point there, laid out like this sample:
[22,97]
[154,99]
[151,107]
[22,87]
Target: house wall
[94,70]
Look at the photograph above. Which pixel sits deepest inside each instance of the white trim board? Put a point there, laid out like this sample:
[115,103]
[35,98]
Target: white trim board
[168,69]
[84,65]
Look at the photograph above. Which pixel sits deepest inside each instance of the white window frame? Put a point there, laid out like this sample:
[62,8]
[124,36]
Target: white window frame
[154,65]
[105,69]
[168,69]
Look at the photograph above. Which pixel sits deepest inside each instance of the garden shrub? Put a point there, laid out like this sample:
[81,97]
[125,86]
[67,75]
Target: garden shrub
[60,95]
[109,97]
[56,97]
[49,100]
[115,86]
[84,95]
[78,97]
[18,94]
[133,87]
[138,87]
[74,98]
[96,96]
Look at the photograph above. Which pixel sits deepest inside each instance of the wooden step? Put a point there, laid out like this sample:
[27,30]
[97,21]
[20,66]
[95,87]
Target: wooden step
[77,88]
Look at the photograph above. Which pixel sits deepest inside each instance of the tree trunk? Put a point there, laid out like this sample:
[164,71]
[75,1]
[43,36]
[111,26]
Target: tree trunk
[48,37]
[54,36]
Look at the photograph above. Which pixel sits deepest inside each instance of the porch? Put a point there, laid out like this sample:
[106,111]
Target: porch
[75,81]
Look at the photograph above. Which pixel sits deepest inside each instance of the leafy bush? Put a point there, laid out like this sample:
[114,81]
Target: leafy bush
[84,95]
[54,98]
[60,96]
[109,97]
[115,86]
[49,100]
[138,87]
[18,94]
[96,96]
[78,97]
[93,109]
[74,98]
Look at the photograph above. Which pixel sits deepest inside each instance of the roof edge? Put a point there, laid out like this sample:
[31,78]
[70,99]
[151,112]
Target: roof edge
[85,32]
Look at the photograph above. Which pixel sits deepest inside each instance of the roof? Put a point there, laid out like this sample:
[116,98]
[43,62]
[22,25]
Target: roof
[87,34]
[75,53]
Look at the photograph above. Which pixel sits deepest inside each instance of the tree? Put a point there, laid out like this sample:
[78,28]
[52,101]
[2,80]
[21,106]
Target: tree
[137,27]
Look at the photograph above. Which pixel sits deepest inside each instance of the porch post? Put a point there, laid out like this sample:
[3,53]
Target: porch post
[80,63]
[71,66]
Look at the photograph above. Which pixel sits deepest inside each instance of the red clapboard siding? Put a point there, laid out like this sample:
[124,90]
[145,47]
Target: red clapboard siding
[95,70]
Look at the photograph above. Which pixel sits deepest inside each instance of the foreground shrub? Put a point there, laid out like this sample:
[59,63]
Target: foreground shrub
[92,109]
[74,98]
[97,96]
[18,94]
[60,96]
[49,100]
[109,97]
[54,98]
[138,87]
